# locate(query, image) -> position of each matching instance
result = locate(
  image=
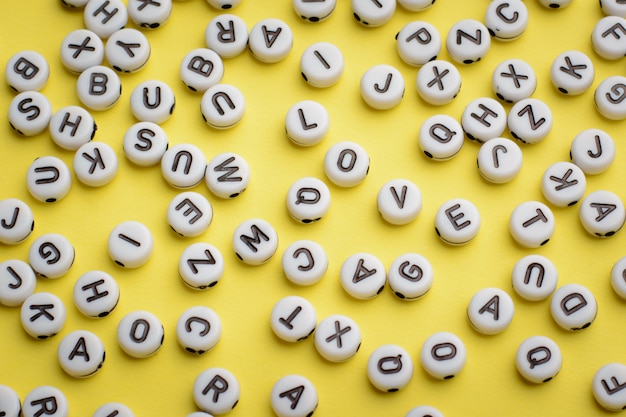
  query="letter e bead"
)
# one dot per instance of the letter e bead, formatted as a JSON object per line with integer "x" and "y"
{"x": 457, "y": 221}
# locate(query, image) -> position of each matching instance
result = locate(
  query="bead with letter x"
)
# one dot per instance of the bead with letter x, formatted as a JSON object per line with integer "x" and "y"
{"x": 84, "y": 46}
{"x": 438, "y": 78}
{"x": 514, "y": 76}
{"x": 338, "y": 333}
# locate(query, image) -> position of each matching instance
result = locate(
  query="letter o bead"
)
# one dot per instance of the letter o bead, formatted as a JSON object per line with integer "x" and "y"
{"x": 499, "y": 160}
{"x": 201, "y": 69}
{"x": 538, "y": 359}
{"x": 27, "y": 71}
{"x": 30, "y": 113}
{"x": 17, "y": 282}
{"x": 201, "y": 266}
{"x": 140, "y": 334}
{"x": 490, "y": 311}
{"x": 593, "y": 150}
{"x": 382, "y": 86}
{"x": 216, "y": 391}
{"x": 293, "y": 319}
{"x": 189, "y": 214}
{"x": 610, "y": 98}
{"x": 43, "y": 399}
{"x": 346, "y": 164}
{"x": 130, "y": 244}
{"x": 81, "y": 354}
{"x": 457, "y": 222}
{"x": 363, "y": 276}
{"x": 43, "y": 315}
{"x": 222, "y": 106}
{"x": 534, "y": 277}
{"x": 410, "y": 276}
{"x": 390, "y": 368}
{"x": 48, "y": 179}
{"x": 10, "y": 404}
{"x": 294, "y": 396}
{"x": 96, "y": 294}
{"x": 618, "y": 277}
{"x": 443, "y": 355}
{"x": 198, "y": 329}
{"x": 17, "y": 221}
{"x": 573, "y": 307}
{"x": 314, "y": 11}
{"x": 608, "y": 386}
{"x": 308, "y": 200}
{"x": 99, "y": 88}
{"x": 602, "y": 213}
{"x": 424, "y": 411}
{"x": 399, "y": 201}
{"x": 337, "y": 338}
{"x": 113, "y": 408}
{"x": 255, "y": 241}
{"x": 51, "y": 255}
{"x": 532, "y": 224}
{"x": 304, "y": 262}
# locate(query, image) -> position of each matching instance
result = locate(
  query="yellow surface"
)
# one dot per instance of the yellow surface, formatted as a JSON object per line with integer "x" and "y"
{"x": 161, "y": 385}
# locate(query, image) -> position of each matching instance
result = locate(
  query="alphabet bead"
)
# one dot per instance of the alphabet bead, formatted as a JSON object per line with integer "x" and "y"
{"x": 227, "y": 34}
{"x": 81, "y": 354}
{"x": 104, "y": 17}
{"x": 572, "y": 72}
{"x": 27, "y": 71}
{"x": 308, "y": 200}
{"x": 506, "y": 20}
{"x": 457, "y": 221}
{"x": 346, "y": 164}
{"x": 224, "y": 4}
{"x": 613, "y": 8}
{"x": 483, "y": 118}
{"x": 382, "y": 86}
{"x": 130, "y": 244}
{"x": 513, "y": 79}
{"x": 227, "y": 175}
{"x": 530, "y": 120}
{"x": 51, "y": 255}
{"x": 593, "y": 150}
{"x": 499, "y": 160}
{"x": 95, "y": 164}
{"x": 443, "y": 355}
{"x": 81, "y": 49}
{"x": 96, "y": 294}
{"x": 363, "y": 276}
{"x": 534, "y": 277}
{"x": 314, "y": 11}
{"x": 145, "y": 144}
{"x": 416, "y": 5}
{"x": 127, "y": 50}
{"x": 117, "y": 409}
{"x": 198, "y": 329}
{"x": 555, "y": 4}
{"x": 468, "y": 41}
{"x": 74, "y": 3}
{"x": 538, "y": 359}
{"x": 255, "y": 241}
{"x": 201, "y": 266}
{"x": 293, "y": 396}
{"x": 29, "y": 113}
{"x": 17, "y": 283}
{"x": 373, "y": 13}
{"x": 418, "y": 42}
{"x": 304, "y": 262}
{"x": 607, "y": 37}
{"x": 307, "y": 123}
{"x": 10, "y": 404}
{"x": 200, "y": 69}
{"x": 424, "y": 411}
{"x": 390, "y": 368}
{"x": 140, "y": 334}
{"x": 607, "y": 386}
{"x": 222, "y": 106}
{"x": 71, "y": 127}
{"x": 441, "y": 137}
{"x": 216, "y": 391}
{"x": 17, "y": 221}
{"x": 532, "y": 224}
{"x": 490, "y": 311}
{"x": 618, "y": 280}
{"x": 293, "y": 319}
{"x": 410, "y": 276}
{"x": 270, "y": 40}
{"x": 45, "y": 399}
{"x": 337, "y": 338}
{"x": 98, "y": 88}
{"x": 151, "y": 14}
{"x": 399, "y": 201}
{"x": 48, "y": 179}
{"x": 573, "y": 307}
{"x": 602, "y": 213}
{"x": 189, "y": 214}
{"x": 563, "y": 184}
{"x": 438, "y": 82}
{"x": 321, "y": 64}
{"x": 43, "y": 315}
{"x": 609, "y": 98}
{"x": 199, "y": 414}
{"x": 183, "y": 165}
{"x": 152, "y": 101}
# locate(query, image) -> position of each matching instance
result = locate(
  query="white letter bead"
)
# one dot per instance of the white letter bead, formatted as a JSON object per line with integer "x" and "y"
{"x": 573, "y": 307}
{"x": 308, "y": 200}
{"x": 140, "y": 334}
{"x": 99, "y": 87}
{"x": 424, "y": 411}
{"x": 363, "y": 276}
{"x": 199, "y": 414}
{"x": 43, "y": 315}
{"x": 610, "y": 97}
{"x": 145, "y": 144}
{"x": 255, "y": 241}
{"x": 607, "y": 37}
{"x": 270, "y": 40}
{"x": 222, "y": 106}
{"x": 314, "y": 12}
{"x": 506, "y": 20}
{"x": 16, "y": 221}
{"x": 293, "y": 319}
{"x": 183, "y": 165}
{"x": 483, "y": 119}
{"x": 71, "y": 127}
{"x": 321, "y": 64}
{"x": 399, "y": 201}
{"x": 441, "y": 137}
{"x": 593, "y": 150}
{"x": 534, "y": 277}
{"x": 30, "y": 113}
{"x": 81, "y": 353}
{"x": 27, "y": 71}
{"x": 438, "y": 82}
{"x": 337, "y": 338}
{"x": 382, "y": 86}
{"x": 201, "y": 266}
{"x": 346, "y": 164}
{"x": 499, "y": 160}
{"x": 416, "y": 5}
{"x": 216, "y": 391}
{"x": 443, "y": 355}
{"x": 490, "y": 311}
{"x": 418, "y": 42}
{"x": 307, "y": 123}
{"x": 618, "y": 277}
{"x": 602, "y": 213}
{"x": 115, "y": 409}
{"x": 149, "y": 14}
{"x": 373, "y": 13}
{"x": 152, "y": 101}
{"x": 46, "y": 400}
{"x": 200, "y": 69}
{"x": 572, "y": 72}
{"x": 555, "y": 4}
{"x": 304, "y": 262}
{"x": 95, "y": 164}
{"x": 538, "y": 359}
{"x": 563, "y": 184}
{"x": 189, "y": 214}
{"x": 532, "y": 224}
{"x": 530, "y": 120}
{"x": 227, "y": 35}
{"x": 96, "y": 294}
{"x": 48, "y": 179}
{"x": 457, "y": 221}
{"x": 224, "y": 4}
{"x": 513, "y": 79}
{"x": 10, "y": 404}
{"x": 104, "y": 17}
{"x": 294, "y": 396}
{"x": 390, "y": 368}
{"x": 81, "y": 49}
{"x": 51, "y": 255}
{"x": 74, "y": 3}
{"x": 410, "y": 276}
{"x": 198, "y": 329}
{"x": 127, "y": 50}
{"x": 227, "y": 175}
{"x": 608, "y": 386}
{"x": 468, "y": 41}
{"x": 613, "y": 8}
{"x": 130, "y": 244}
{"x": 17, "y": 282}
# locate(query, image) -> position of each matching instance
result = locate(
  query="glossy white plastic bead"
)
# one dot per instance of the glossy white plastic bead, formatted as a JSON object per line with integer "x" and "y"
{"x": 593, "y": 150}
{"x": 602, "y": 213}
{"x": 96, "y": 294}
{"x": 373, "y": 13}
{"x": 363, "y": 276}
{"x": 308, "y": 200}
{"x": 613, "y": 8}
{"x": 201, "y": 266}
{"x": 346, "y": 164}
{"x": 227, "y": 34}
{"x": 140, "y": 334}
{"x": 563, "y": 184}
{"x": 499, "y": 160}
{"x": 189, "y": 214}
{"x": 530, "y": 120}
{"x": 74, "y": 3}
{"x": 321, "y": 64}
{"x": 293, "y": 318}
{"x": 468, "y": 41}
{"x": 270, "y": 40}
{"x": 418, "y": 42}
{"x": 216, "y": 391}
{"x": 399, "y": 201}
{"x": 443, "y": 355}
{"x": 316, "y": 11}
{"x": 490, "y": 311}
{"x": 130, "y": 244}
{"x": 183, "y": 165}
{"x": 307, "y": 123}
{"x": 199, "y": 414}
{"x": 424, "y": 411}
{"x": 200, "y": 69}
{"x": 27, "y": 71}
{"x": 513, "y": 79}
{"x": 224, "y": 4}
{"x": 10, "y": 404}
{"x": 99, "y": 87}
{"x": 382, "y": 87}
{"x": 222, "y": 106}
{"x": 30, "y": 113}
{"x": 610, "y": 97}
{"x": 572, "y": 72}
{"x": 45, "y": 400}
{"x": 149, "y": 14}
{"x": 152, "y": 101}
{"x": 441, "y": 137}
{"x": 607, "y": 37}
{"x": 410, "y": 276}
{"x": 457, "y": 221}
{"x": 81, "y": 49}
{"x": 573, "y": 307}
{"x": 17, "y": 221}
{"x": 337, "y": 338}
{"x": 145, "y": 144}
{"x": 532, "y": 224}
{"x": 255, "y": 241}
{"x": 618, "y": 277}
{"x": 51, "y": 255}
{"x": 43, "y": 315}
{"x": 48, "y": 179}
{"x": 81, "y": 353}
{"x": 227, "y": 175}
{"x": 438, "y": 82}
{"x": 71, "y": 127}
{"x": 115, "y": 409}
{"x": 506, "y": 20}
{"x": 608, "y": 386}
{"x": 304, "y": 262}
{"x": 416, "y": 5}
{"x": 534, "y": 277}
{"x": 538, "y": 359}
{"x": 127, "y": 50}
{"x": 483, "y": 118}
{"x": 17, "y": 282}
{"x": 390, "y": 368}
{"x": 555, "y": 4}
{"x": 293, "y": 396}
{"x": 95, "y": 164}
{"x": 198, "y": 329}
{"x": 104, "y": 17}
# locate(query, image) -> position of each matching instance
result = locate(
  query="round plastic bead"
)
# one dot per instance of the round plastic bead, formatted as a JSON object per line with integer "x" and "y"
{"x": 490, "y": 311}
{"x": 127, "y": 50}
{"x": 149, "y": 14}
{"x": 17, "y": 282}
{"x": 96, "y": 294}
{"x": 308, "y": 200}
{"x": 610, "y": 96}
{"x": 410, "y": 276}
{"x": 222, "y": 106}
{"x": 602, "y": 213}
{"x": 43, "y": 315}
{"x": 593, "y": 150}
{"x": 363, "y": 276}
{"x": 555, "y": 4}
{"x": 337, "y": 338}
{"x": 457, "y": 221}
{"x": 45, "y": 400}
{"x": 468, "y": 41}
{"x": 51, "y": 255}
{"x": 438, "y": 82}
{"x": 573, "y": 307}
{"x": 538, "y": 359}
{"x": 441, "y": 137}
{"x": 74, "y": 4}
{"x": 307, "y": 123}
{"x": 216, "y": 391}
{"x": 346, "y": 164}
{"x": 416, "y": 5}
{"x": 27, "y": 71}
{"x": 99, "y": 88}
{"x": 105, "y": 17}
{"x": 201, "y": 266}
{"x": 607, "y": 386}
{"x": 81, "y": 353}
{"x": 443, "y": 355}
{"x": 563, "y": 184}
{"x": 140, "y": 334}
{"x": 152, "y": 101}
{"x": 499, "y": 160}
{"x": 201, "y": 69}
{"x": 227, "y": 175}
{"x": 189, "y": 214}
{"x": 10, "y": 404}
{"x": 483, "y": 118}
{"x": 145, "y": 144}
{"x": 224, "y": 4}
{"x": 293, "y": 396}
{"x": 382, "y": 87}
{"x": 607, "y": 37}
{"x": 418, "y": 42}
{"x": 513, "y": 79}
{"x": 81, "y": 49}
{"x": 17, "y": 221}
{"x": 613, "y": 8}
{"x": 424, "y": 411}
{"x": 399, "y": 201}
{"x": 373, "y": 13}
{"x": 293, "y": 319}
{"x": 199, "y": 414}
{"x": 95, "y": 164}
{"x": 30, "y": 113}
{"x": 572, "y": 72}
{"x": 227, "y": 35}
{"x": 506, "y": 20}
{"x": 530, "y": 120}
{"x": 532, "y": 224}
{"x": 321, "y": 64}
{"x": 618, "y": 277}
{"x": 534, "y": 277}
{"x": 130, "y": 244}
{"x": 270, "y": 40}
{"x": 198, "y": 329}
{"x": 316, "y": 11}
{"x": 304, "y": 262}
{"x": 71, "y": 127}
{"x": 390, "y": 368}
{"x": 183, "y": 165}
{"x": 117, "y": 409}
{"x": 48, "y": 179}
{"x": 255, "y": 241}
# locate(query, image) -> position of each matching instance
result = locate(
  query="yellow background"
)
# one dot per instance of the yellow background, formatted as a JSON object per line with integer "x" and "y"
{"x": 161, "y": 385}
